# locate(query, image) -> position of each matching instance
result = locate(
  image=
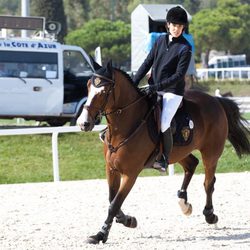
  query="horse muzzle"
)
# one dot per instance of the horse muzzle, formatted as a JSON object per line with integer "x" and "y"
{"x": 86, "y": 126}
{"x": 85, "y": 122}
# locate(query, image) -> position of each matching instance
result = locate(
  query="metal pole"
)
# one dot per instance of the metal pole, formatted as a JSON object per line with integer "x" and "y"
{"x": 113, "y": 5}
{"x": 171, "y": 169}
{"x": 25, "y": 12}
{"x": 55, "y": 156}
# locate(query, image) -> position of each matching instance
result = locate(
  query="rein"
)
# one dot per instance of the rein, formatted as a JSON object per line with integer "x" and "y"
{"x": 98, "y": 83}
{"x": 119, "y": 110}
{"x": 125, "y": 141}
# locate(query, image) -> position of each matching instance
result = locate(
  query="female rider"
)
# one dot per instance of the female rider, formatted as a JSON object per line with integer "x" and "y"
{"x": 168, "y": 59}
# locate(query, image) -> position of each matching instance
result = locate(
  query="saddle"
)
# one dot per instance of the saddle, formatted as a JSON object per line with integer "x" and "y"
{"x": 181, "y": 125}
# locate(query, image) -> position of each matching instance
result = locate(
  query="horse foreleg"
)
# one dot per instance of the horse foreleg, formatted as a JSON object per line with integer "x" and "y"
{"x": 114, "y": 210}
{"x": 126, "y": 220}
{"x": 114, "y": 180}
{"x": 189, "y": 165}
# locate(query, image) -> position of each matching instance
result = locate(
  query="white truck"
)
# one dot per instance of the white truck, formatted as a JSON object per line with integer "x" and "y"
{"x": 41, "y": 79}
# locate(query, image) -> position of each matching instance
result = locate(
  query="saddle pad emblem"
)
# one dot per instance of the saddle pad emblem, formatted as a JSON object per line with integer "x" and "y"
{"x": 185, "y": 133}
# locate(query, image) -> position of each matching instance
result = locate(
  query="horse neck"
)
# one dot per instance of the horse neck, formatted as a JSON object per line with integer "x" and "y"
{"x": 130, "y": 107}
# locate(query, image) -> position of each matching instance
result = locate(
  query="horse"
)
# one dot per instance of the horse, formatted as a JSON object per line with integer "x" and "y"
{"x": 128, "y": 145}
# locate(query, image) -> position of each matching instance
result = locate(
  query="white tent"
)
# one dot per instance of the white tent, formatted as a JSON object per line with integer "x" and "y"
{"x": 146, "y": 18}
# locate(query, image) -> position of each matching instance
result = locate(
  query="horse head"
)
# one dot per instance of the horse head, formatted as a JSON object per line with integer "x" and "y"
{"x": 100, "y": 86}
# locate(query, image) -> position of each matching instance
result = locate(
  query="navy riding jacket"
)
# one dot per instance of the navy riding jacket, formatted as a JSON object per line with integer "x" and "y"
{"x": 169, "y": 62}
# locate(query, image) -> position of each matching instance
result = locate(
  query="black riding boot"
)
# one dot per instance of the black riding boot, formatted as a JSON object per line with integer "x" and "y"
{"x": 167, "y": 143}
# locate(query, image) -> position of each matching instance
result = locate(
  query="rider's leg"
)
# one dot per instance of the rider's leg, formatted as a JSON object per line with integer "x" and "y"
{"x": 170, "y": 105}
{"x": 167, "y": 143}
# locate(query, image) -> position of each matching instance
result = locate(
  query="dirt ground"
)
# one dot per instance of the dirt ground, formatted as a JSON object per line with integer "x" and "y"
{"x": 62, "y": 215}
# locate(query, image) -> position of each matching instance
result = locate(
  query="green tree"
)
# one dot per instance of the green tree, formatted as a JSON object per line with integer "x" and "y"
{"x": 77, "y": 12}
{"x": 224, "y": 28}
{"x": 112, "y": 37}
{"x": 239, "y": 29}
{"x": 109, "y": 9}
{"x": 134, "y": 3}
{"x": 10, "y": 7}
{"x": 214, "y": 3}
{"x": 205, "y": 34}
{"x": 192, "y": 6}
{"x": 52, "y": 10}
{"x": 210, "y": 4}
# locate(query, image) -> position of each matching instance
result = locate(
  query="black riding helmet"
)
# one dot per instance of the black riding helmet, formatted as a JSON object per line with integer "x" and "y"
{"x": 177, "y": 15}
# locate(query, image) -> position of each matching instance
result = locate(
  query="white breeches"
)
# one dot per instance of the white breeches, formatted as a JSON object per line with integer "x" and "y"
{"x": 170, "y": 105}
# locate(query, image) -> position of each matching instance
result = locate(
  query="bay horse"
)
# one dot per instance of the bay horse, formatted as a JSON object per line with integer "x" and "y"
{"x": 128, "y": 146}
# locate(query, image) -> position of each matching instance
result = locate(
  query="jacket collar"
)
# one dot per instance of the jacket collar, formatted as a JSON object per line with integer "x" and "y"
{"x": 171, "y": 39}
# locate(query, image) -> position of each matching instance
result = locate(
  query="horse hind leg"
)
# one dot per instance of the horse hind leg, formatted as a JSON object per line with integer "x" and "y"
{"x": 189, "y": 165}
{"x": 210, "y": 167}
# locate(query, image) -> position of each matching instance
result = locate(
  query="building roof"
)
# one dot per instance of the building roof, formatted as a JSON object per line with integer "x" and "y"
{"x": 158, "y": 12}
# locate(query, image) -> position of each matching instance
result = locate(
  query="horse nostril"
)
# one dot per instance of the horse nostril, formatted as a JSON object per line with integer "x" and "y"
{"x": 86, "y": 124}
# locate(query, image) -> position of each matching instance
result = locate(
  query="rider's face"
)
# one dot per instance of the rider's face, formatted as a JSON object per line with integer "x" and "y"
{"x": 175, "y": 29}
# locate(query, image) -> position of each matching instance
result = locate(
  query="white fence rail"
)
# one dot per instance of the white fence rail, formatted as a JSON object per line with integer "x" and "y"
{"x": 243, "y": 102}
{"x": 241, "y": 73}
{"x": 55, "y": 131}
{"x": 49, "y": 130}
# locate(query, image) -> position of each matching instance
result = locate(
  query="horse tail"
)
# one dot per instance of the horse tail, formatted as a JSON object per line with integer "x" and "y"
{"x": 238, "y": 127}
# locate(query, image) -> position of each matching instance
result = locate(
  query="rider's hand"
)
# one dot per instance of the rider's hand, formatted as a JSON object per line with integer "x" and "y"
{"x": 151, "y": 89}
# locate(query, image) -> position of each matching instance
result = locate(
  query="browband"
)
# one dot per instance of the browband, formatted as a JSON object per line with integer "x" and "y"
{"x": 97, "y": 81}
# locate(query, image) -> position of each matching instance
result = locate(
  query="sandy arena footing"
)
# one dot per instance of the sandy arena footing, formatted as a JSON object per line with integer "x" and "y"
{"x": 62, "y": 215}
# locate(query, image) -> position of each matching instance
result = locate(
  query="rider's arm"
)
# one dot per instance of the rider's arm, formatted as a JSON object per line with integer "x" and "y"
{"x": 181, "y": 70}
{"x": 145, "y": 67}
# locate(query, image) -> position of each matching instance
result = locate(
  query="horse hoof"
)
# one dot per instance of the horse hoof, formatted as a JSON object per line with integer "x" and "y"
{"x": 189, "y": 209}
{"x": 212, "y": 219}
{"x": 186, "y": 207}
{"x": 95, "y": 239}
{"x": 92, "y": 240}
{"x": 133, "y": 223}
{"x": 127, "y": 221}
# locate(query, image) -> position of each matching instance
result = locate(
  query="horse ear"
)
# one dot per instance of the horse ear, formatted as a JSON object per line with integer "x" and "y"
{"x": 109, "y": 66}
{"x": 95, "y": 65}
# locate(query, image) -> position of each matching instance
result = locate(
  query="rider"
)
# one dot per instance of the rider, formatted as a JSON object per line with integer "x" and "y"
{"x": 168, "y": 59}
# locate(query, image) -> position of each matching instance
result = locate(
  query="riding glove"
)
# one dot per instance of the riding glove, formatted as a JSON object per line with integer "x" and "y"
{"x": 151, "y": 89}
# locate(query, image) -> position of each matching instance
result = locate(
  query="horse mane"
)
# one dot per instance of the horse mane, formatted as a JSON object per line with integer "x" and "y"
{"x": 107, "y": 72}
{"x": 128, "y": 77}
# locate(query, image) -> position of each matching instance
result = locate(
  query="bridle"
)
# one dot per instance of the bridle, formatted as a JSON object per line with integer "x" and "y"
{"x": 99, "y": 81}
